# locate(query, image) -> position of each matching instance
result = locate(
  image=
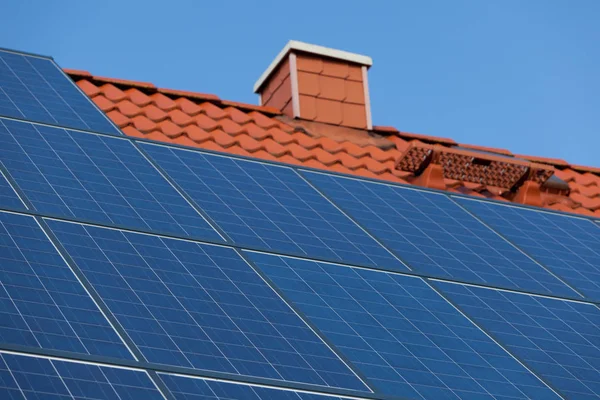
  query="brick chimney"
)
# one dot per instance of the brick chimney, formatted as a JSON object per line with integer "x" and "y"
{"x": 318, "y": 84}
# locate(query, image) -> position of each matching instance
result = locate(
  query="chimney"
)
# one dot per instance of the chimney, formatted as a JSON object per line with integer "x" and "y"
{"x": 318, "y": 84}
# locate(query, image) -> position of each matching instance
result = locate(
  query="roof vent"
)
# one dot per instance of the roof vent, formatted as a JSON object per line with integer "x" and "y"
{"x": 318, "y": 84}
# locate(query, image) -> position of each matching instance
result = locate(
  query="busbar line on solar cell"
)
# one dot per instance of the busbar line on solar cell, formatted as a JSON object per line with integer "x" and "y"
{"x": 43, "y": 304}
{"x": 435, "y": 236}
{"x": 35, "y": 89}
{"x": 192, "y": 388}
{"x": 559, "y": 340}
{"x": 405, "y": 337}
{"x": 24, "y": 376}
{"x": 99, "y": 178}
{"x": 303, "y": 317}
{"x": 200, "y": 306}
{"x": 269, "y": 207}
{"x": 567, "y": 245}
{"x": 9, "y": 197}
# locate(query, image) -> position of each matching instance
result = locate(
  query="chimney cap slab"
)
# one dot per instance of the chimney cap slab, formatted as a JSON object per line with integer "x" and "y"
{"x": 294, "y": 45}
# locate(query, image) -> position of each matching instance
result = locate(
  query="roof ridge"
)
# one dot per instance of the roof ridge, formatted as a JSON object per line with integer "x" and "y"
{"x": 150, "y": 87}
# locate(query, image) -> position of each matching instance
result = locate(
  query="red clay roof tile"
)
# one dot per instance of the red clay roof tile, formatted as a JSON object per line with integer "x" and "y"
{"x": 205, "y": 121}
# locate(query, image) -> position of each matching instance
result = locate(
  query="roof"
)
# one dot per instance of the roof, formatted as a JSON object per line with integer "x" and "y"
{"x": 206, "y": 121}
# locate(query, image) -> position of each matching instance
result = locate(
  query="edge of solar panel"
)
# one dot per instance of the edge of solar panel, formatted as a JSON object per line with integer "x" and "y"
{"x": 103, "y": 124}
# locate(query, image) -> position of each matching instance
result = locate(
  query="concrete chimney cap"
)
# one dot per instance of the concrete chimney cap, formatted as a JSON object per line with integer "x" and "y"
{"x": 312, "y": 49}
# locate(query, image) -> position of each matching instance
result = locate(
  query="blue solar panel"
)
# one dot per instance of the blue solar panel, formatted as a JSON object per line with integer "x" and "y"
{"x": 200, "y": 306}
{"x": 42, "y": 304}
{"x": 35, "y": 89}
{"x": 558, "y": 339}
{"x": 27, "y": 377}
{"x": 8, "y": 197}
{"x": 98, "y": 178}
{"x": 400, "y": 333}
{"x": 435, "y": 236}
{"x": 270, "y": 207}
{"x": 568, "y": 246}
{"x": 184, "y": 388}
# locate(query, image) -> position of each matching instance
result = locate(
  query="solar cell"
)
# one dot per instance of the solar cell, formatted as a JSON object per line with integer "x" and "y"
{"x": 42, "y": 304}
{"x": 185, "y": 388}
{"x": 97, "y": 178}
{"x": 435, "y": 236}
{"x": 28, "y": 377}
{"x": 400, "y": 333}
{"x": 33, "y": 88}
{"x": 269, "y": 207}
{"x": 558, "y": 339}
{"x": 568, "y": 246}
{"x": 8, "y": 197}
{"x": 200, "y": 306}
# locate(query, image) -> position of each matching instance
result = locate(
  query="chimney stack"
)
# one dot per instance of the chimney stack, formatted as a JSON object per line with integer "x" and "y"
{"x": 318, "y": 84}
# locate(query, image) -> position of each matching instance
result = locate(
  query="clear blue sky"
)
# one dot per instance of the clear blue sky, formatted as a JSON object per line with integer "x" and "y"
{"x": 516, "y": 74}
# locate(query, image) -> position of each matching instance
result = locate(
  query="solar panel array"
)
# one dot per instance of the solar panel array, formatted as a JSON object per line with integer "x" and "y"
{"x": 135, "y": 270}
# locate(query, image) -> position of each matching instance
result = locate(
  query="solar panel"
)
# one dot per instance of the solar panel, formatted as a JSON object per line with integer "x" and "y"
{"x": 568, "y": 246}
{"x": 185, "y": 388}
{"x": 558, "y": 339}
{"x": 34, "y": 89}
{"x": 97, "y": 178}
{"x": 28, "y": 377}
{"x": 200, "y": 306}
{"x": 400, "y": 333}
{"x": 8, "y": 197}
{"x": 42, "y": 304}
{"x": 435, "y": 236}
{"x": 269, "y": 207}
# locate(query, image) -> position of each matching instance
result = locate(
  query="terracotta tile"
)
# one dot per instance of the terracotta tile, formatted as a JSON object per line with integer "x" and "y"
{"x": 309, "y": 83}
{"x": 124, "y": 82}
{"x": 274, "y": 148}
{"x": 587, "y": 179}
{"x": 356, "y": 151}
{"x": 130, "y": 130}
{"x": 251, "y": 107}
{"x": 222, "y": 138}
{"x": 237, "y": 115}
{"x": 338, "y": 69}
{"x": 205, "y": 122}
{"x": 163, "y": 102}
{"x": 588, "y": 191}
{"x": 354, "y": 115}
{"x": 255, "y": 132}
{"x": 306, "y": 141}
{"x": 129, "y": 109}
{"x": 180, "y": 118}
{"x": 589, "y": 203}
{"x": 191, "y": 95}
{"x": 112, "y": 93}
{"x": 196, "y": 133}
{"x": 188, "y": 106}
{"x": 119, "y": 119}
{"x": 325, "y": 157}
{"x": 280, "y": 136}
{"x": 263, "y": 121}
{"x": 583, "y": 168}
{"x": 213, "y": 111}
{"x": 308, "y": 107}
{"x": 104, "y": 104}
{"x": 138, "y": 98}
{"x": 170, "y": 129}
{"x": 355, "y": 73}
{"x": 88, "y": 88}
{"x": 230, "y": 127}
{"x": 426, "y": 138}
{"x": 309, "y": 64}
{"x": 330, "y": 146}
{"x": 331, "y": 88}
{"x": 143, "y": 124}
{"x": 329, "y": 111}
{"x": 250, "y": 144}
{"x": 181, "y": 140}
{"x": 155, "y": 114}
{"x": 299, "y": 152}
{"x": 354, "y": 92}
{"x": 351, "y": 162}
{"x": 77, "y": 73}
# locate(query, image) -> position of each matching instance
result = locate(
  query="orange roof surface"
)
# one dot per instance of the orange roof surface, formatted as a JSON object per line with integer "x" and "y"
{"x": 205, "y": 121}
